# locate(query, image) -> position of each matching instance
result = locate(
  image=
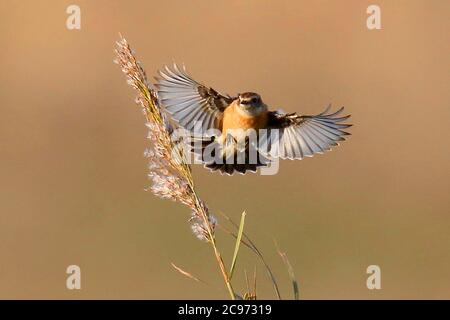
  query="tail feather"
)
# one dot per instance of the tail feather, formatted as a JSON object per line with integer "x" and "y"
{"x": 220, "y": 163}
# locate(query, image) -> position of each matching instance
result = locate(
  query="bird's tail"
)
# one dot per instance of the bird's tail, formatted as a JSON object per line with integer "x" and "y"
{"x": 226, "y": 157}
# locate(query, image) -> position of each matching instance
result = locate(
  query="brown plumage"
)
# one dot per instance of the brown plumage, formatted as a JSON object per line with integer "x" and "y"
{"x": 199, "y": 109}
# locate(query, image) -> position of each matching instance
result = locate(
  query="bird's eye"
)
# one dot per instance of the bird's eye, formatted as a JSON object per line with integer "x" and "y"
{"x": 254, "y": 100}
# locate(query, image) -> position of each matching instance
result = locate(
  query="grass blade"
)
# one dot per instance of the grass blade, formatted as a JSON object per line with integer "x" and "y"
{"x": 255, "y": 250}
{"x": 187, "y": 274}
{"x": 290, "y": 270}
{"x": 238, "y": 244}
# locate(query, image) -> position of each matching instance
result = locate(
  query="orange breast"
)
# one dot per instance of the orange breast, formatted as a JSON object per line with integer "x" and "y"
{"x": 234, "y": 120}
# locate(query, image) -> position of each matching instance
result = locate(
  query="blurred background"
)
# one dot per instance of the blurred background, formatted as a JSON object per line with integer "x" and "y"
{"x": 72, "y": 142}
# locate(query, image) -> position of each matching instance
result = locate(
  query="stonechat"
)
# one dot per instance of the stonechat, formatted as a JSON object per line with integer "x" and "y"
{"x": 200, "y": 109}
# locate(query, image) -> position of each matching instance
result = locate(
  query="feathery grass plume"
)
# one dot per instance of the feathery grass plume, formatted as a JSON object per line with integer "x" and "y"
{"x": 170, "y": 175}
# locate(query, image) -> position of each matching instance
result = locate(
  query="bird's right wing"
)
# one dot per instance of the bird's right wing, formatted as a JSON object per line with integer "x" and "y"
{"x": 188, "y": 101}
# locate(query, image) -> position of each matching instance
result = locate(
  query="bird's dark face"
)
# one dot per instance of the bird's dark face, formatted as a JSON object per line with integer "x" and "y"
{"x": 251, "y": 103}
{"x": 249, "y": 100}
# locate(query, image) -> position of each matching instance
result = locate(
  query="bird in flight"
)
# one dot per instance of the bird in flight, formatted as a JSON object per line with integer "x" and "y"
{"x": 200, "y": 109}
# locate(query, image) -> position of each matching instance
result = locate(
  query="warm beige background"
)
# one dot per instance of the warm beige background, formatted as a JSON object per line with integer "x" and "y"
{"x": 72, "y": 142}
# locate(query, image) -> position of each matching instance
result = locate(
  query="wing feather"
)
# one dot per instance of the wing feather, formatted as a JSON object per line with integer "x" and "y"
{"x": 301, "y": 136}
{"x": 187, "y": 100}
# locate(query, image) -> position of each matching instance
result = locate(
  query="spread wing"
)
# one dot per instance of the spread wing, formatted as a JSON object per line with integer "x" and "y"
{"x": 188, "y": 101}
{"x": 291, "y": 136}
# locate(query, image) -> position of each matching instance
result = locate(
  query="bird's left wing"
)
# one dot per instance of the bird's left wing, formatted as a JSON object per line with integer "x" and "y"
{"x": 291, "y": 136}
{"x": 188, "y": 101}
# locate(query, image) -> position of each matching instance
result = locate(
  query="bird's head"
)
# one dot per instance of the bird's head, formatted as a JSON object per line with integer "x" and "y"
{"x": 251, "y": 103}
